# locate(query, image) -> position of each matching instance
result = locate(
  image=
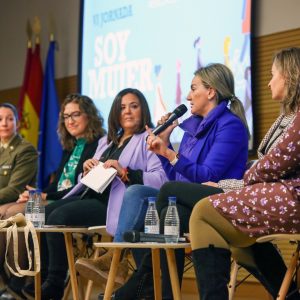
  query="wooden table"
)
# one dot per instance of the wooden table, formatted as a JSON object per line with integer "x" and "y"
{"x": 155, "y": 249}
{"x": 67, "y": 231}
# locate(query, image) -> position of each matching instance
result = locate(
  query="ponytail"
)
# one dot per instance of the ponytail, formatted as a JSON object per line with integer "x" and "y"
{"x": 237, "y": 108}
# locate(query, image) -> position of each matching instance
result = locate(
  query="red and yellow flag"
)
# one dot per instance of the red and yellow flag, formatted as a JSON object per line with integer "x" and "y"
{"x": 31, "y": 96}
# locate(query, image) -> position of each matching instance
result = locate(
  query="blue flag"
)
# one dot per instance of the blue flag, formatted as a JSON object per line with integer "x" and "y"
{"x": 49, "y": 147}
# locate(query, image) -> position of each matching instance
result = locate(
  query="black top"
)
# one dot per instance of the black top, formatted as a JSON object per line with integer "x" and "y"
{"x": 134, "y": 176}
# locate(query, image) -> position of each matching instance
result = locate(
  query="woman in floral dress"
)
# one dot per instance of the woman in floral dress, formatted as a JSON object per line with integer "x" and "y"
{"x": 268, "y": 200}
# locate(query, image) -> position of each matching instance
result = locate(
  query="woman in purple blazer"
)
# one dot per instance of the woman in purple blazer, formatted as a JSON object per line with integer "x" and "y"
{"x": 125, "y": 149}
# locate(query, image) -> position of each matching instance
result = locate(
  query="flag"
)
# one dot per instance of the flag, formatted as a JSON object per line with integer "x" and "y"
{"x": 49, "y": 147}
{"x": 31, "y": 102}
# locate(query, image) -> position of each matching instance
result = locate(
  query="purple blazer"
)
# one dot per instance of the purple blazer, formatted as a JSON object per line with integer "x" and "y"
{"x": 135, "y": 156}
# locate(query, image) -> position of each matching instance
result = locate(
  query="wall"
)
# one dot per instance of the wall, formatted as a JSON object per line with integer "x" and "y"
{"x": 60, "y": 16}
{"x": 270, "y": 16}
{"x": 275, "y": 16}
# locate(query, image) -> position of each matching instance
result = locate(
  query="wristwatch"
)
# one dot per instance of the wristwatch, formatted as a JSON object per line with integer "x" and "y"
{"x": 175, "y": 160}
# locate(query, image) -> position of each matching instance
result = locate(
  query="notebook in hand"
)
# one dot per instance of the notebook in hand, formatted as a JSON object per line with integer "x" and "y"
{"x": 99, "y": 178}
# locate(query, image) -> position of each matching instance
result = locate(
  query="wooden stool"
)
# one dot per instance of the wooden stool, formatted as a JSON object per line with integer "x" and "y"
{"x": 155, "y": 248}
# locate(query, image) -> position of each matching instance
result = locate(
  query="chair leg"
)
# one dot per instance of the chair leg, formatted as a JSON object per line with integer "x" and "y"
{"x": 232, "y": 282}
{"x": 89, "y": 285}
{"x": 67, "y": 290}
{"x": 289, "y": 275}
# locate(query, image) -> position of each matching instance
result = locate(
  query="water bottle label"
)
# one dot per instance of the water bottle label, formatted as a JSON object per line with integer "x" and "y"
{"x": 42, "y": 217}
{"x": 28, "y": 217}
{"x": 171, "y": 230}
{"x": 152, "y": 229}
{"x": 35, "y": 217}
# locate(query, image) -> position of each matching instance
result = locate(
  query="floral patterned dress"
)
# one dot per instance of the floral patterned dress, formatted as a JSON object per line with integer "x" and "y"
{"x": 269, "y": 201}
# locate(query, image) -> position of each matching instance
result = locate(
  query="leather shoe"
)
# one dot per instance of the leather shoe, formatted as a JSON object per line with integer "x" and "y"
{"x": 97, "y": 269}
{"x": 14, "y": 287}
{"x": 28, "y": 291}
{"x": 49, "y": 291}
{"x": 7, "y": 296}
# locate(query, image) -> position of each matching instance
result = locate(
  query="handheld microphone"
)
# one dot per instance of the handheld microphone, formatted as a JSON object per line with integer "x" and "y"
{"x": 134, "y": 236}
{"x": 177, "y": 113}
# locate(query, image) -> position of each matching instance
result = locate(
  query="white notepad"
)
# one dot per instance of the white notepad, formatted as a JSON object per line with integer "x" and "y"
{"x": 99, "y": 178}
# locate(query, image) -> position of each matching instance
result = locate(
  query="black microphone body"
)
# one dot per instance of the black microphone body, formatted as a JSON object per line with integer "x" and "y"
{"x": 177, "y": 113}
{"x": 134, "y": 236}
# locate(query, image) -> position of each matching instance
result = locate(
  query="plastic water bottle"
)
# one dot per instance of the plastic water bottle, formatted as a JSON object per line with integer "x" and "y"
{"x": 171, "y": 225}
{"x": 29, "y": 206}
{"x": 151, "y": 219}
{"x": 38, "y": 214}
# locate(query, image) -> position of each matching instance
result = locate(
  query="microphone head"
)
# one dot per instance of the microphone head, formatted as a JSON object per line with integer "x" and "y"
{"x": 180, "y": 110}
{"x": 131, "y": 236}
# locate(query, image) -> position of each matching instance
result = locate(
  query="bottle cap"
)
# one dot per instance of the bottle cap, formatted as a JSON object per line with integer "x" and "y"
{"x": 31, "y": 192}
{"x": 152, "y": 199}
{"x": 172, "y": 198}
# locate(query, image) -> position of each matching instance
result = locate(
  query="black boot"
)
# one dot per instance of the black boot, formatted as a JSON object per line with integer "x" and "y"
{"x": 29, "y": 289}
{"x": 15, "y": 285}
{"x": 270, "y": 269}
{"x": 212, "y": 268}
{"x": 139, "y": 286}
{"x": 52, "y": 291}
{"x": 52, "y": 287}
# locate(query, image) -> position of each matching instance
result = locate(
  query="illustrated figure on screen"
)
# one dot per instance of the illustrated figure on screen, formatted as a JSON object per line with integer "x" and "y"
{"x": 246, "y": 26}
{"x": 160, "y": 107}
{"x": 197, "y": 46}
{"x": 178, "y": 83}
{"x": 248, "y": 92}
{"x": 248, "y": 97}
{"x": 226, "y": 45}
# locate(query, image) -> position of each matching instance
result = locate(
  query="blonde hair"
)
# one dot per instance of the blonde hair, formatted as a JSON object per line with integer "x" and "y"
{"x": 288, "y": 63}
{"x": 220, "y": 78}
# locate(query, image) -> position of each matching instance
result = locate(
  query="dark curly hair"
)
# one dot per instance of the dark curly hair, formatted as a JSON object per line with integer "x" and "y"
{"x": 94, "y": 129}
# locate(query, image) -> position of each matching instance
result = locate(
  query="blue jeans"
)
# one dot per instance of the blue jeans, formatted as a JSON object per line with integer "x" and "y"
{"x": 133, "y": 209}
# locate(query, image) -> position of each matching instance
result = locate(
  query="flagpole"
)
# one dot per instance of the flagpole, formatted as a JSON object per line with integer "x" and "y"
{"x": 26, "y": 74}
{"x": 29, "y": 34}
{"x": 36, "y": 27}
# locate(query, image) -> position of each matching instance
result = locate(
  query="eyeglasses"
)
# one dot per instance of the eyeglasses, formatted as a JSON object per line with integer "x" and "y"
{"x": 74, "y": 116}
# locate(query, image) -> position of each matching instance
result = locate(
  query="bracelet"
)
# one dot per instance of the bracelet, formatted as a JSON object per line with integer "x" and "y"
{"x": 175, "y": 160}
{"x": 124, "y": 176}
